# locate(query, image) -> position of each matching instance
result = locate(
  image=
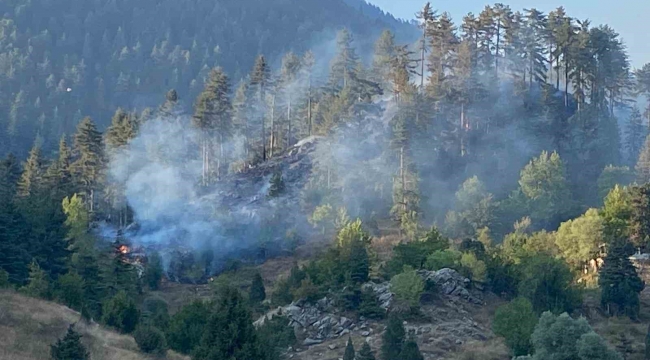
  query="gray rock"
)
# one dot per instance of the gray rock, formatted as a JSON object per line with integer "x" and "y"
{"x": 365, "y": 333}
{"x": 310, "y": 342}
{"x": 332, "y": 346}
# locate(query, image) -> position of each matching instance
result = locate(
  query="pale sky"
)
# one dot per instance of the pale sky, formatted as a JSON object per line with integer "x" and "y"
{"x": 630, "y": 18}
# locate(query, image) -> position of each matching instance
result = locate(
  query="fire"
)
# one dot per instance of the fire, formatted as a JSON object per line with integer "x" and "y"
{"x": 124, "y": 249}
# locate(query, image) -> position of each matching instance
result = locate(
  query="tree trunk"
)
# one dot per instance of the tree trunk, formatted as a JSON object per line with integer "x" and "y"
{"x": 272, "y": 126}
{"x": 289, "y": 123}
{"x": 403, "y": 177}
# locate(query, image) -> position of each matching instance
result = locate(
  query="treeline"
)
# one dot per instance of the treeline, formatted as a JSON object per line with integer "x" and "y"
{"x": 60, "y": 62}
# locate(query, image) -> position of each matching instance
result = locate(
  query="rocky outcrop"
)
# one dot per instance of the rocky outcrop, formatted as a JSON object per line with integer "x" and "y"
{"x": 448, "y": 281}
{"x": 317, "y": 322}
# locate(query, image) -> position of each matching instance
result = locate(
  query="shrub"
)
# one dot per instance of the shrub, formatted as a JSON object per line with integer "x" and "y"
{"x": 369, "y": 306}
{"x": 155, "y": 312}
{"x": 516, "y": 322}
{"x": 121, "y": 313}
{"x": 443, "y": 259}
{"x": 474, "y": 267}
{"x": 150, "y": 340}
{"x": 307, "y": 291}
{"x": 4, "y": 279}
{"x": 70, "y": 347}
{"x": 407, "y": 286}
{"x": 186, "y": 327}
{"x": 548, "y": 284}
{"x": 69, "y": 290}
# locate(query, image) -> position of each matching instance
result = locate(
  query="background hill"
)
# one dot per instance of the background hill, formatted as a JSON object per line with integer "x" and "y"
{"x": 113, "y": 53}
{"x": 29, "y": 326}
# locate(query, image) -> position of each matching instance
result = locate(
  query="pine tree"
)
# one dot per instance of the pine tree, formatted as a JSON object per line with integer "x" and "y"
{"x": 171, "y": 108}
{"x": 277, "y": 185}
{"x": 242, "y": 115}
{"x": 411, "y": 351}
{"x": 635, "y": 136}
{"x": 426, "y": 17}
{"x": 38, "y": 283}
{"x": 349, "y": 350}
{"x": 229, "y": 332}
{"x": 257, "y": 293}
{"x": 365, "y": 353}
{"x": 32, "y": 174}
{"x": 123, "y": 128}
{"x": 393, "y": 339}
{"x": 643, "y": 164}
{"x": 260, "y": 81}
{"x": 58, "y": 176}
{"x": 288, "y": 78}
{"x": 345, "y": 63}
{"x": 213, "y": 117}
{"x": 640, "y": 216}
{"x": 89, "y": 164}
{"x": 620, "y": 284}
{"x": 70, "y": 347}
{"x": 359, "y": 262}
{"x": 383, "y": 59}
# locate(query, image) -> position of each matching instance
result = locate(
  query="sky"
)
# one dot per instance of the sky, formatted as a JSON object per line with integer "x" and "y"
{"x": 628, "y": 17}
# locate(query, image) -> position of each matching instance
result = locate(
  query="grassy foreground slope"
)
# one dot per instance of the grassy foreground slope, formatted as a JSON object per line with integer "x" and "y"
{"x": 29, "y": 326}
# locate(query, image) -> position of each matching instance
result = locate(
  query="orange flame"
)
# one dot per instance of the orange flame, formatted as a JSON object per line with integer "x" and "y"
{"x": 124, "y": 249}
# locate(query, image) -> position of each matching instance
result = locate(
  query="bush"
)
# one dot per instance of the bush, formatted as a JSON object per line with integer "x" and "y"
{"x": 415, "y": 253}
{"x": 4, "y": 279}
{"x": 548, "y": 284}
{"x": 307, "y": 291}
{"x": 69, "y": 290}
{"x": 282, "y": 293}
{"x": 257, "y": 293}
{"x": 516, "y": 322}
{"x": 155, "y": 312}
{"x": 70, "y": 347}
{"x": 186, "y": 327}
{"x": 121, "y": 313}
{"x": 276, "y": 334}
{"x": 154, "y": 271}
{"x": 369, "y": 306}
{"x": 448, "y": 258}
{"x": 474, "y": 267}
{"x": 150, "y": 340}
{"x": 407, "y": 286}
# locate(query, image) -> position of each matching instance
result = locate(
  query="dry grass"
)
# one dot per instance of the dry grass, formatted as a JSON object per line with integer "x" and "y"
{"x": 29, "y": 326}
{"x": 493, "y": 349}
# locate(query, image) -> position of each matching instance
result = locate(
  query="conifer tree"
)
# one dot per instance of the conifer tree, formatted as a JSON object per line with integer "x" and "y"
{"x": 383, "y": 59}
{"x": 242, "y": 115}
{"x": 229, "y": 332}
{"x": 640, "y": 216}
{"x": 277, "y": 185}
{"x": 365, "y": 353}
{"x": 411, "y": 351}
{"x": 257, "y": 293}
{"x": 58, "y": 176}
{"x": 288, "y": 78}
{"x": 32, "y": 174}
{"x": 635, "y": 136}
{"x": 213, "y": 117}
{"x": 345, "y": 64}
{"x": 307, "y": 75}
{"x": 393, "y": 339}
{"x": 171, "y": 108}
{"x": 620, "y": 284}
{"x": 89, "y": 163}
{"x": 38, "y": 283}
{"x": 349, "y": 351}
{"x": 260, "y": 81}
{"x": 69, "y": 347}
{"x": 643, "y": 163}
{"x": 426, "y": 18}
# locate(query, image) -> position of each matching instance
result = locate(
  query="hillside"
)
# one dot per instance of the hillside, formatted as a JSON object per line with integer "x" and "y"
{"x": 60, "y": 61}
{"x": 29, "y": 326}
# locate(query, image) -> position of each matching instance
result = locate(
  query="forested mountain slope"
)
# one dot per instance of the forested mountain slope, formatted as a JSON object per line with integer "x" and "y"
{"x": 62, "y": 60}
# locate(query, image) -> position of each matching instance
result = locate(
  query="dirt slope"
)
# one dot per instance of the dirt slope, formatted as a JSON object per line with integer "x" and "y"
{"x": 29, "y": 326}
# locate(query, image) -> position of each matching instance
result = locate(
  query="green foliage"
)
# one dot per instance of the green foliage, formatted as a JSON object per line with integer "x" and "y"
{"x": 77, "y": 222}
{"x": 121, "y": 313}
{"x": 620, "y": 284}
{"x": 639, "y": 219}
{"x": 276, "y": 335}
{"x": 369, "y": 306}
{"x": 323, "y": 217}
{"x": 307, "y": 291}
{"x": 475, "y": 268}
{"x": 155, "y": 312}
{"x": 415, "y": 253}
{"x": 69, "y": 290}
{"x": 4, "y": 279}
{"x": 544, "y": 185}
{"x": 229, "y": 331}
{"x": 611, "y": 177}
{"x": 186, "y": 327}
{"x": 447, "y": 258}
{"x": 407, "y": 286}
{"x": 474, "y": 209}
{"x": 282, "y": 293}
{"x": 502, "y": 276}
{"x": 38, "y": 284}
{"x": 257, "y": 293}
{"x": 349, "y": 351}
{"x": 643, "y": 164}
{"x": 561, "y": 337}
{"x": 154, "y": 271}
{"x": 352, "y": 231}
{"x": 365, "y": 353}
{"x": 579, "y": 240}
{"x": 393, "y": 339}
{"x": 548, "y": 284}
{"x": 277, "y": 185}
{"x": 516, "y": 322}
{"x": 69, "y": 347}
{"x": 411, "y": 351}
{"x": 150, "y": 340}
{"x": 617, "y": 213}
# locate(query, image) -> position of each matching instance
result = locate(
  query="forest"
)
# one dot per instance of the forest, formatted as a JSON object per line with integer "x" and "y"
{"x": 511, "y": 146}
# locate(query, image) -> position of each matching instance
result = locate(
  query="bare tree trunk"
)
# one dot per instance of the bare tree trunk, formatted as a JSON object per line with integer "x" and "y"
{"x": 403, "y": 177}
{"x": 289, "y": 123}
{"x": 272, "y": 126}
